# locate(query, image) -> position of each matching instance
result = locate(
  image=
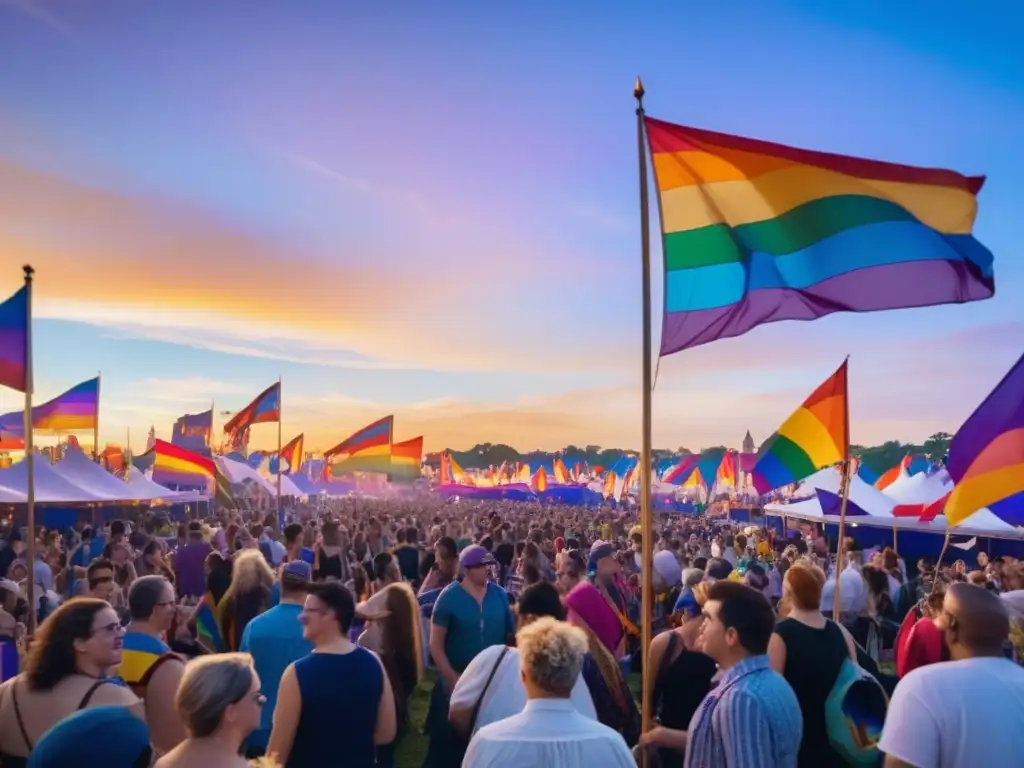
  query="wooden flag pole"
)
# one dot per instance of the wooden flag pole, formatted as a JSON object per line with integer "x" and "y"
{"x": 646, "y": 572}
{"x": 845, "y": 488}
{"x": 30, "y": 458}
{"x": 280, "y": 403}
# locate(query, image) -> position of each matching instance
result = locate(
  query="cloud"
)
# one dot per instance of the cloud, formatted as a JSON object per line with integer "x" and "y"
{"x": 168, "y": 270}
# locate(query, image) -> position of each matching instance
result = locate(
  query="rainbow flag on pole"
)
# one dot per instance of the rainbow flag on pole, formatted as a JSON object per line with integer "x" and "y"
{"x": 14, "y": 341}
{"x": 755, "y": 232}
{"x": 368, "y": 450}
{"x": 264, "y": 409}
{"x": 814, "y": 437}
{"x": 173, "y": 465}
{"x": 292, "y": 454}
{"x": 76, "y": 410}
{"x": 407, "y": 458}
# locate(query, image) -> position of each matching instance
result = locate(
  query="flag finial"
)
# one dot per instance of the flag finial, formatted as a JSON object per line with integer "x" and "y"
{"x": 28, "y": 272}
{"x": 638, "y": 89}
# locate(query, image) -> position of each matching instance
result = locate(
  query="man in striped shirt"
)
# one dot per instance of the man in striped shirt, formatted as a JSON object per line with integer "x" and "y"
{"x": 752, "y": 719}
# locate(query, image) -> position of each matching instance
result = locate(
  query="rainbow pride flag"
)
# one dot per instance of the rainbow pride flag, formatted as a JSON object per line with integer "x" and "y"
{"x": 292, "y": 453}
{"x": 208, "y": 627}
{"x": 986, "y": 456}
{"x": 814, "y": 437}
{"x": 76, "y": 410}
{"x": 368, "y": 450}
{"x": 14, "y": 322}
{"x": 755, "y": 232}
{"x": 264, "y": 409}
{"x": 406, "y": 458}
{"x": 173, "y": 465}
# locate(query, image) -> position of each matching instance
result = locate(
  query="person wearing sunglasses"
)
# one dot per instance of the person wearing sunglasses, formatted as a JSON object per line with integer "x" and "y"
{"x": 220, "y": 703}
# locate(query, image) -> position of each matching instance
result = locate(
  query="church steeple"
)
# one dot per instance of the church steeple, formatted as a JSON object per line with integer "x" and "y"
{"x": 748, "y": 443}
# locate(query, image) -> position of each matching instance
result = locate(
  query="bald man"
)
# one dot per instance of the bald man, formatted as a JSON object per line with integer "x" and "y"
{"x": 967, "y": 712}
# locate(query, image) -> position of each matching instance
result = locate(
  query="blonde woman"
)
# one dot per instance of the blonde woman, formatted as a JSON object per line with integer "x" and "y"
{"x": 219, "y": 701}
{"x": 248, "y": 596}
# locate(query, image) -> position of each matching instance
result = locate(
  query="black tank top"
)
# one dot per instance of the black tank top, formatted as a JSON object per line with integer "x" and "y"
{"x": 813, "y": 660}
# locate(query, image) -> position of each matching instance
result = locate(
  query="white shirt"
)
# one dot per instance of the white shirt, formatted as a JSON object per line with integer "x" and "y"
{"x": 852, "y": 592}
{"x": 548, "y": 732}
{"x": 957, "y": 714}
{"x": 506, "y": 696}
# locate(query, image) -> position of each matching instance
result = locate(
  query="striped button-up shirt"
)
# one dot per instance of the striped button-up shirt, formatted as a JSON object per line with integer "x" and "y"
{"x": 751, "y": 720}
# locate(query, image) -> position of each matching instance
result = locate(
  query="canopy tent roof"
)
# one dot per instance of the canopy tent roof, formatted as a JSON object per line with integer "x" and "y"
{"x": 922, "y": 488}
{"x": 79, "y": 469}
{"x": 238, "y": 472}
{"x": 11, "y": 496}
{"x": 288, "y": 487}
{"x": 139, "y": 484}
{"x": 50, "y": 485}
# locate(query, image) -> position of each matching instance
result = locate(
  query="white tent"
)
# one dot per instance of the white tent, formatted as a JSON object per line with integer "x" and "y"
{"x": 237, "y": 472}
{"x": 50, "y": 486}
{"x": 9, "y": 496}
{"x": 145, "y": 488}
{"x": 865, "y": 496}
{"x": 922, "y": 488}
{"x": 87, "y": 474}
{"x": 288, "y": 487}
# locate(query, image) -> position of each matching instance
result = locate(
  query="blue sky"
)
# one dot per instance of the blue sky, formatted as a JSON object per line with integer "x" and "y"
{"x": 432, "y": 210}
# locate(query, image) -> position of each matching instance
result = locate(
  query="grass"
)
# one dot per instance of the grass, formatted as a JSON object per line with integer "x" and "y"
{"x": 413, "y": 748}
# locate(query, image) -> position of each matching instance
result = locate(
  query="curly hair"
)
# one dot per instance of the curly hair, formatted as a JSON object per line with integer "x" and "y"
{"x": 551, "y": 653}
{"x": 52, "y": 657}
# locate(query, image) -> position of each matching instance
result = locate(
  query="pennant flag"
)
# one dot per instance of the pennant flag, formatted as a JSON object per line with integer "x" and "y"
{"x": 726, "y": 476}
{"x": 539, "y": 481}
{"x": 173, "y": 465}
{"x": 755, "y": 232}
{"x": 406, "y": 459}
{"x": 14, "y": 322}
{"x": 292, "y": 454}
{"x": 75, "y": 410}
{"x": 986, "y": 456}
{"x": 560, "y": 472}
{"x": 266, "y": 408}
{"x": 681, "y": 472}
{"x": 459, "y": 476}
{"x": 368, "y": 450}
{"x": 892, "y": 474}
{"x": 813, "y": 438}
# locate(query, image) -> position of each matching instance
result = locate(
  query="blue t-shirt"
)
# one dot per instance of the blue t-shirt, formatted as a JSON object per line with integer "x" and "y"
{"x": 471, "y": 628}
{"x": 275, "y": 640}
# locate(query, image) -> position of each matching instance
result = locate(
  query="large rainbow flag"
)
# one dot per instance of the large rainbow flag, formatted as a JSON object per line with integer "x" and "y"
{"x": 76, "y": 410}
{"x": 814, "y": 437}
{"x": 292, "y": 453}
{"x": 755, "y": 232}
{"x": 406, "y": 458}
{"x": 367, "y": 450}
{"x": 14, "y": 322}
{"x": 264, "y": 409}
{"x": 173, "y": 465}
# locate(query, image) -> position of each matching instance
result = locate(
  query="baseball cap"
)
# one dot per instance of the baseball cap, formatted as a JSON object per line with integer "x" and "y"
{"x": 117, "y": 739}
{"x": 475, "y": 555}
{"x": 297, "y": 569}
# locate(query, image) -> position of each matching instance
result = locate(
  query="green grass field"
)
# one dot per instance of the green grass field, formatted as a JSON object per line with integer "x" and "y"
{"x": 413, "y": 748}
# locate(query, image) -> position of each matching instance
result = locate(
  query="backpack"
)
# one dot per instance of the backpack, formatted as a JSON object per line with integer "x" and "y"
{"x": 854, "y": 714}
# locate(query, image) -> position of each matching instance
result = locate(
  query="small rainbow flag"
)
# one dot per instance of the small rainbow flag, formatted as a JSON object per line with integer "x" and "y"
{"x": 292, "y": 454}
{"x": 173, "y": 465}
{"x": 986, "y": 456}
{"x": 264, "y": 409}
{"x": 406, "y": 458}
{"x": 368, "y": 450}
{"x": 73, "y": 411}
{"x": 208, "y": 628}
{"x": 14, "y": 322}
{"x": 814, "y": 437}
{"x": 755, "y": 232}
{"x": 726, "y": 476}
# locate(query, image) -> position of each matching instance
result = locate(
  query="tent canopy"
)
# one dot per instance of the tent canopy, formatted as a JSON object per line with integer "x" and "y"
{"x": 90, "y": 476}
{"x": 50, "y": 485}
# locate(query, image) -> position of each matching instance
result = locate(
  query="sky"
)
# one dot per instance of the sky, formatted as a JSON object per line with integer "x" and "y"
{"x": 431, "y": 209}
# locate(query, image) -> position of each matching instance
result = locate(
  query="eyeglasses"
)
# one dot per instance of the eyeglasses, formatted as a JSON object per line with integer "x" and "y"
{"x": 113, "y": 628}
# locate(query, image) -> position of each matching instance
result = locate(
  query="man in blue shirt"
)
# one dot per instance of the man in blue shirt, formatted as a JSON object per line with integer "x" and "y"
{"x": 275, "y": 640}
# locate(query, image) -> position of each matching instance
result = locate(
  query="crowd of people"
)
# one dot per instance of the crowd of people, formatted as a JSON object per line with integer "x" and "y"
{"x": 232, "y": 641}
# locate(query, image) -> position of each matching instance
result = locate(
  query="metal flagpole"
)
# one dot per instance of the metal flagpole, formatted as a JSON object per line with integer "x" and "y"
{"x": 30, "y": 501}
{"x": 646, "y": 575}
{"x": 280, "y": 513}
{"x": 96, "y": 426}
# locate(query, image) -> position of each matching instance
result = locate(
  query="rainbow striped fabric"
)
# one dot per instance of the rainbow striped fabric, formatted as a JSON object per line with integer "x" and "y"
{"x": 986, "y": 456}
{"x": 173, "y": 465}
{"x": 264, "y": 409}
{"x": 76, "y": 410}
{"x": 406, "y": 458}
{"x": 14, "y": 322}
{"x": 756, "y": 232}
{"x": 292, "y": 453}
{"x": 368, "y": 450}
{"x": 814, "y": 437}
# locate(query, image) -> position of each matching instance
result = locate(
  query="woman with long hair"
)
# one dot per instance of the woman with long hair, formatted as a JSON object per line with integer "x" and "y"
{"x": 219, "y": 701}
{"x": 205, "y": 621}
{"x": 252, "y": 582}
{"x": 589, "y": 610}
{"x": 394, "y": 633}
{"x": 66, "y": 670}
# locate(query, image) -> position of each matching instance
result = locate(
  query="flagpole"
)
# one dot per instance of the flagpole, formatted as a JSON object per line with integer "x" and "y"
{"x": 280, "y": 402}
{"x": 646, "y": 576}
{"x": 96, "y": 426}
{"x": 845, "y": 488}
{"x": 127, "y": 453}
{"x": 30, "y": 500}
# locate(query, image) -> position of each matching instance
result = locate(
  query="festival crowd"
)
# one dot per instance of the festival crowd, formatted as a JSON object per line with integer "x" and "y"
{"x": 229, "y": 642}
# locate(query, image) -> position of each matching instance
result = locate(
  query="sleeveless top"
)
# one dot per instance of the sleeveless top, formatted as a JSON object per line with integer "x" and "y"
{"x": 814, "y": 658}
{"x": 341, "y": 694}
{"x": 140, "y": 657}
